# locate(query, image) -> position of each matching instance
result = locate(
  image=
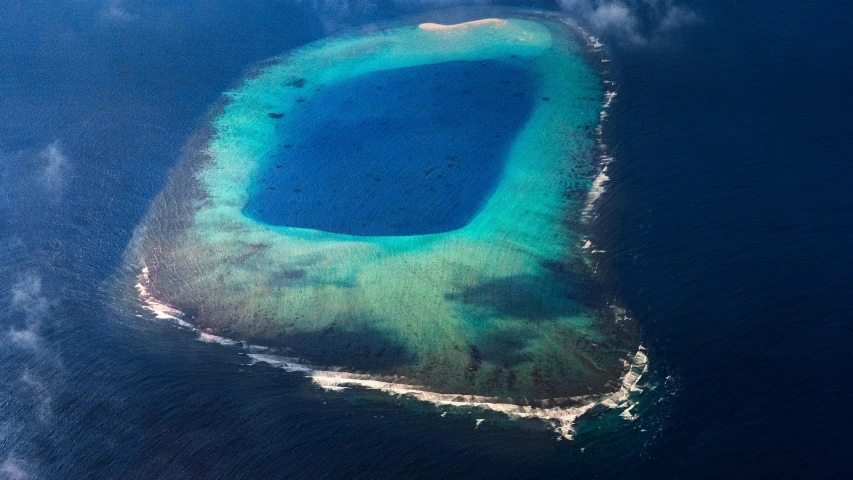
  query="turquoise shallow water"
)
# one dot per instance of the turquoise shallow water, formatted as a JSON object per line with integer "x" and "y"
{"x": 406, "y": 151}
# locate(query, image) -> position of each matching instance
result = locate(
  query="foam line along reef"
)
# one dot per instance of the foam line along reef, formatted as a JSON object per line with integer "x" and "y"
{"x": 310, "y": 215}
{"x": 561, "y": 413}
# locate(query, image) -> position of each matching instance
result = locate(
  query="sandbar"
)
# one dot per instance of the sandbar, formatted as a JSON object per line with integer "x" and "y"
{"x": 463, "y": 25}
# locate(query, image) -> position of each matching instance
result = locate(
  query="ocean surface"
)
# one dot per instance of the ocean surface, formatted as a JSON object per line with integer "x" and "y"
{"x": 726, "y": 227}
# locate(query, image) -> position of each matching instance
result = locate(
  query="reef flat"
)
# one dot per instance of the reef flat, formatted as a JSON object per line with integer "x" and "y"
{"x": 365, "y": 219}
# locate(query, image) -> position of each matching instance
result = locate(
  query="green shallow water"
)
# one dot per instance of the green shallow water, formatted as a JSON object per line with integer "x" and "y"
{"x": 503, "y": 306}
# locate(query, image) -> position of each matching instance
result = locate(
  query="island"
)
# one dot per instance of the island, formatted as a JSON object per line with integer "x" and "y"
{"x": 403, "y": 208}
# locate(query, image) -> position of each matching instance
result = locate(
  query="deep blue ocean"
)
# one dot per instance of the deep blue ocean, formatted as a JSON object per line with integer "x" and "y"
{"x": 726, "y": 222}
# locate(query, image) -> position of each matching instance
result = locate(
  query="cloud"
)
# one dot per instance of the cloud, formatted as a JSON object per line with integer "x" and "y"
{"x": 678, "y": 17}
{"x": 27, "y": 298}
{"x": 25, "y": 338}
{"x": 12, "y": 469}
{"x": 55, "y": 170}
{"x": 637, "y": 22}
{"x": 38, "y": 387}
{"x": 338, "y": 14}
{"x": 37, "y": 367}
{"x": 615, "y": 18}
{"x": 115, "y": 11}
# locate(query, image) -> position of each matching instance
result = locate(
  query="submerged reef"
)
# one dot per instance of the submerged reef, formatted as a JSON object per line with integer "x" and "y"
{"x": 453, "y": 262}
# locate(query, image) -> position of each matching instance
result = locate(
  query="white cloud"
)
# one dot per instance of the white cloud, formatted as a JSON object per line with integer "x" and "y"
{"x": 25, "y": 338}
{"x": 12, "y": 469}
{"x": 41, "y": 365}
{"x": 115, "y": 11}
{"x": 37, "y": 367}
{"x": 42, "y": 393}
{"x": 27, "y": 297}
{"x": 637, "y": 22}
{"x": 615, "y": 18}
{"x": 678, "y": 17}
{"x": 55, "y": 170}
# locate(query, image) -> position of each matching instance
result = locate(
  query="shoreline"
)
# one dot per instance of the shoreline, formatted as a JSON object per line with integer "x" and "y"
{"x": 561, "y": 418}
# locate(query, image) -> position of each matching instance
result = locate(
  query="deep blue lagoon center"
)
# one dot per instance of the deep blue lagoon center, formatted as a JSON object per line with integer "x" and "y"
{"x": 406, "y": 151}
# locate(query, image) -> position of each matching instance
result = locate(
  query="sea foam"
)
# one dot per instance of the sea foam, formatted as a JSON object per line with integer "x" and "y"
{"x": 561, "y": 418}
